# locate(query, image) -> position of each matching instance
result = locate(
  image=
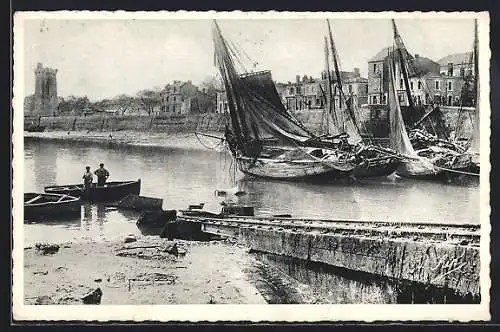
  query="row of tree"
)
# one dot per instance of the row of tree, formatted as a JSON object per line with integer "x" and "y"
{"x": 149, "y": 101}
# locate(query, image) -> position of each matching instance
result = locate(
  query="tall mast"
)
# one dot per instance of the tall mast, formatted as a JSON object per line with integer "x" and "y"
{"x": 400, "y": 47}
{"x": 227, "y": 69}
{"x": 475, "y": 141}
{"x": 337, "y": 71}
{"x": 329, "y": 92}
{"x": 476, "y": 62}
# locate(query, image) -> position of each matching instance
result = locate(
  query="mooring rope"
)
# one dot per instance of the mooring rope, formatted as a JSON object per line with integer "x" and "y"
{"x": 215, "y": 147}
{"x": 456, "y": 171}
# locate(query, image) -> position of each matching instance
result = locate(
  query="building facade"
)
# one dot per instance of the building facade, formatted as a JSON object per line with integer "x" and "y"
{"x": 177, "y": 98}
{"x": 309, "y": 93}
{"x": 428, "y": 82}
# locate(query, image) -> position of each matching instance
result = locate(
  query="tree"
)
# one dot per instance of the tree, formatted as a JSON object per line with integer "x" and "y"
{"x": 74, "y": 104}
{"x": 29, "y": 103}
{"x": 123, "y": 103}
{"x": 149, "y": 100}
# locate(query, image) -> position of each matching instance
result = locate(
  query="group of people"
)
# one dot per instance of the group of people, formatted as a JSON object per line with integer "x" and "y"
{"x": 101, "y": 173}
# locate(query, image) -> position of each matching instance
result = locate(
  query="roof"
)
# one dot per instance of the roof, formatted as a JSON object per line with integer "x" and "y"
{"x": 423, "y": 65}
{"x": 455, "y": 58}
{"x": 380, "y": 56}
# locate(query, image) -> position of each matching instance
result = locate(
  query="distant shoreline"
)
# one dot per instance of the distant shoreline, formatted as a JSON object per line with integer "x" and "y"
{"x": 128, "y": 138}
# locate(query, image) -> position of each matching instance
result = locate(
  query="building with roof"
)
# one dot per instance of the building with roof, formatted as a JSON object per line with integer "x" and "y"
{"x": 308, "y": 93}
{"x": 185, "y": 97}
{"x": 457, "y": 65}
{"x": 429, "y": 81}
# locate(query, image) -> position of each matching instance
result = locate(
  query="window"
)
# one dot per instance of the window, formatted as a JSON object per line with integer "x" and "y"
{"x": 450, "y": 86}
{"x": 374, "y": 67}
{"x": 174, "y": 98}
{"x": 292, "y": 91}
{"x": 401, "y": 83}
{"x": 298, "y": 90}
{"x": 419, "y": 85}
{"x": 375, "y": 99}
{"x": 436, "y": 85}
{"x": 411, "y": 85}
{"x": 384, "y": 99}
{"x": 350, "y": 88}
{"x": 450, "y": 69}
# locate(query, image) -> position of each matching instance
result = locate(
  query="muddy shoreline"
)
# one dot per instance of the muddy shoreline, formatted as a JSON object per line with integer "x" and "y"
{"x": 145, "y": 271}
{"x": 129, "y": 138}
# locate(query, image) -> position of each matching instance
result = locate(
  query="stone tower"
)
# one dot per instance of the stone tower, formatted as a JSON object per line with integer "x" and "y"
{"x": 45, "y": 98}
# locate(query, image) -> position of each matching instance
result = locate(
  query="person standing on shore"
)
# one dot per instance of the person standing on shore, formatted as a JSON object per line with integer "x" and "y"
{"x": 88, "y": 177}
{"x": 102, "y": 175}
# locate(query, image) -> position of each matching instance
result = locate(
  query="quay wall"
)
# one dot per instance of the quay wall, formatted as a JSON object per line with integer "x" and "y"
{"x": 213, "y": 122}
{"x": 443, "y": 265}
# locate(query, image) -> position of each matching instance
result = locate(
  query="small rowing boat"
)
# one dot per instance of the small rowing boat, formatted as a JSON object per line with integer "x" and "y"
{"x": 50, "y": 205}
{"x": 111, "y": 191}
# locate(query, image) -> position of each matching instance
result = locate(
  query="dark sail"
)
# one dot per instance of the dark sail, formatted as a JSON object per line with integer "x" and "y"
{"x": 254, "y": 105}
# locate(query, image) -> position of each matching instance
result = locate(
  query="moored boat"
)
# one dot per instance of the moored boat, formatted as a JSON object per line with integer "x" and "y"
{"x": 256, "y": 114}
{"x": 433, "y": 159}
{"x": 370, "y": 159}
{"x": 111, "y": 191}
{"x": 40, "y": 205}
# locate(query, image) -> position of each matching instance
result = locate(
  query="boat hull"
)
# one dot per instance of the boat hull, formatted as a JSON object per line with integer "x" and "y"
{"x": 425, "y": 170}
{"x": 112, "y": 191}
{"x": 292, "y": 170}
{"x": 51, "y": 205}
{"x": 381, "y": 168}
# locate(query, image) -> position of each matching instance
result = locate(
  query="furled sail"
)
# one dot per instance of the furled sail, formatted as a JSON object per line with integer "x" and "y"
{"x": 344, "y": 117}
{"x": 397, "y": 132}
{"x": 254, "y": 105}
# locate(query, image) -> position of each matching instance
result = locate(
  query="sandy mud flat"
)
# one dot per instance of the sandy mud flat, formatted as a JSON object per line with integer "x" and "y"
{"x": 131, "y": 138}
{"x": 147, "y": 271}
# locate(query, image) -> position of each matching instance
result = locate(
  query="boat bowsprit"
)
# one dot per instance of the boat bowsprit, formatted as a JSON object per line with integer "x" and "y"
{"x": 39, "y": 205}
{"x": 111, "y": 191}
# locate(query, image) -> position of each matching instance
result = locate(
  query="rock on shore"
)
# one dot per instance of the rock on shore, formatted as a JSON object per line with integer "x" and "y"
{"x": 140, "y": 272}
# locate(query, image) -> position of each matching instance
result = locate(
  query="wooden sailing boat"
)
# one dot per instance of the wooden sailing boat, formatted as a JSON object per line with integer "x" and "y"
{"x": 371, "y": 160}
{"x": 431, "y": 161}
{"x": 256, "y": 112}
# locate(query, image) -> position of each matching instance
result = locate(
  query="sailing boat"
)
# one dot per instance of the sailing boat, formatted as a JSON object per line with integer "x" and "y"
{"x": 430, "y": 161}
{"x": 371, "y": 160}
{"x": 256, "y": 113}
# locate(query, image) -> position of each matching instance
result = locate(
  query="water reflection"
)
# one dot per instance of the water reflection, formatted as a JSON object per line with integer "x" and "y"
{"x": 101, "y": 215}
{"x": 87, "y": 216}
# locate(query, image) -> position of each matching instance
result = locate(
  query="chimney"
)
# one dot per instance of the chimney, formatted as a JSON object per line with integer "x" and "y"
{"x": 297, "y": 79}
{"x": 356, "y": 72}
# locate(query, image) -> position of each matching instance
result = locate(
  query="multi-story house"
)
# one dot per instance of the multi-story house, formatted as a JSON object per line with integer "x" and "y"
{"x": 429, "y": 82}
{"x": 179, "y": 98}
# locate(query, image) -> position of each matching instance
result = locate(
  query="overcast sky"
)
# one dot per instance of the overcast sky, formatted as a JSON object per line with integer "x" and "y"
{"x": 104, "y": 58}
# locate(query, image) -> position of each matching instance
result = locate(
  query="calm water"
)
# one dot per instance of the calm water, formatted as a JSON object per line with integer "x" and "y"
{"x": 183, "y": 177}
